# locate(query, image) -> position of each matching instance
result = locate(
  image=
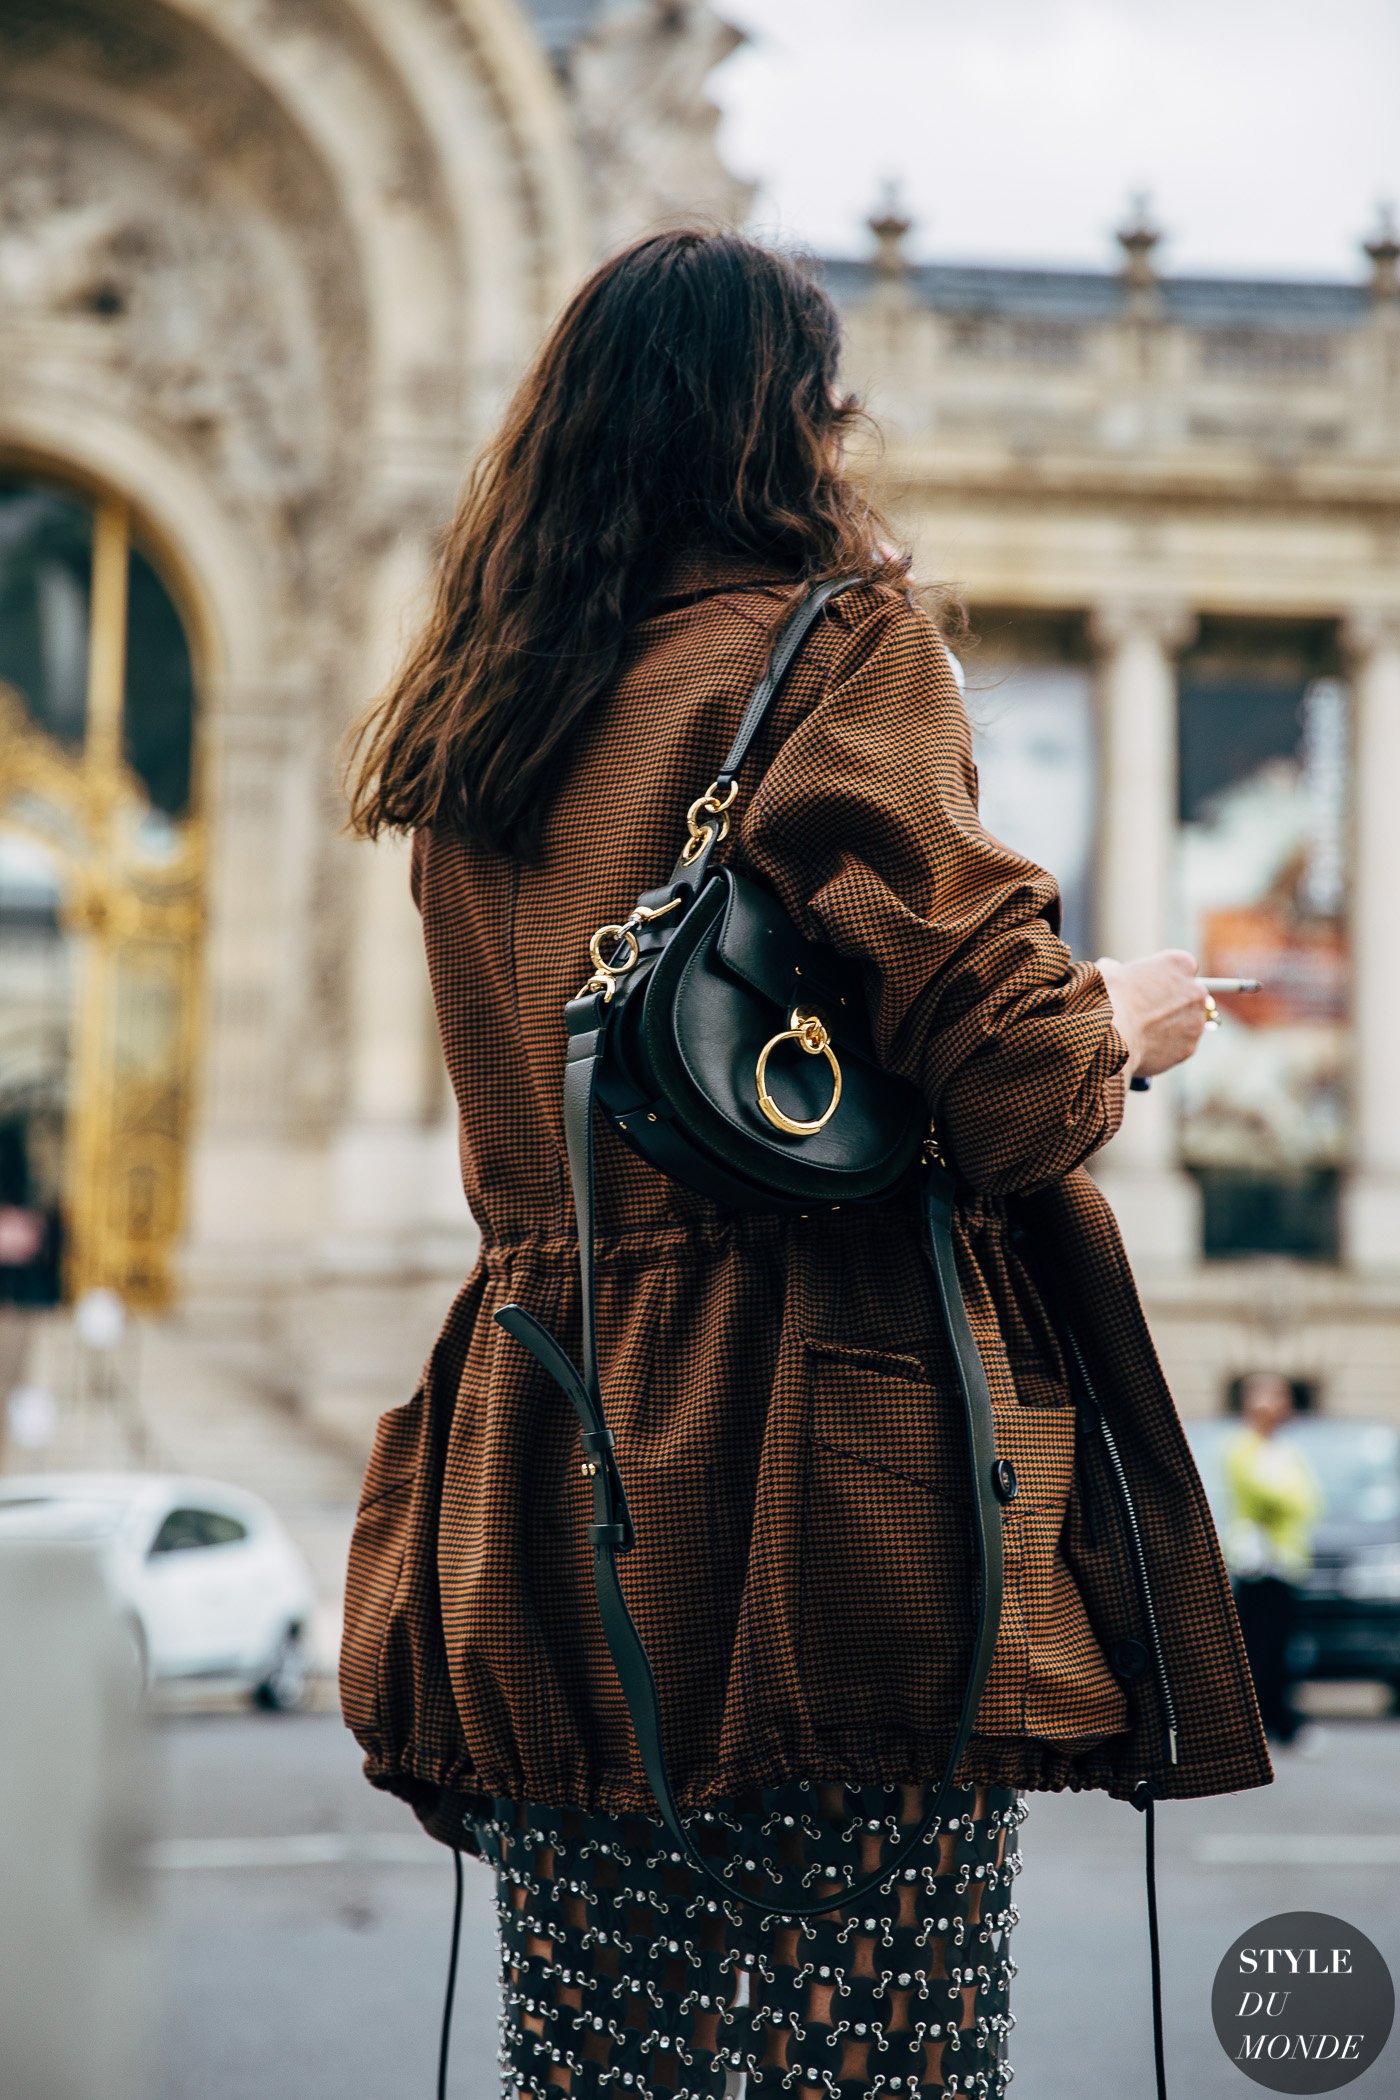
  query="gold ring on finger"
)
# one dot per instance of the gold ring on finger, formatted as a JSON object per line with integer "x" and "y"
{"x": 1212, "y": 1011}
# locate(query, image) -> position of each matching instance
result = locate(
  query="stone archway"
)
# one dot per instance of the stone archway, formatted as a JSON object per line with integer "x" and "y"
{"x": 266, "y": 267}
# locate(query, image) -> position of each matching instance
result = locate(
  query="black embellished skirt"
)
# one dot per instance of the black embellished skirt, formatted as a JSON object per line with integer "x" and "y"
{"x": 625, "y": 1973}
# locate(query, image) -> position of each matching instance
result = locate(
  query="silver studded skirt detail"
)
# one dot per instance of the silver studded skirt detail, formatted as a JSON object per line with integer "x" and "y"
{"x": 626, "y": 1974}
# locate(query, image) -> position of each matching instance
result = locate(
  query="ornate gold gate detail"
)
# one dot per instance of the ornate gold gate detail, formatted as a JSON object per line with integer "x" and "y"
{"x": 132, "y": 902}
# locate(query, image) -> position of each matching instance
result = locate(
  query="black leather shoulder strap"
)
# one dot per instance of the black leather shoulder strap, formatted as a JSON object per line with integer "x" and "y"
{"x": 691, "y": 869}
{"x": 789, "y": 640}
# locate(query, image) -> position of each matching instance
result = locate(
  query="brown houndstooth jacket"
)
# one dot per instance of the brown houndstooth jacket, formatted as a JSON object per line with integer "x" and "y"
{"x": 780, "y": 1387}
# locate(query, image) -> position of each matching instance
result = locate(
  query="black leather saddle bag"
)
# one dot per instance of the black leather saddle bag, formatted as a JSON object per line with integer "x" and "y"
{"x": 736, "y": 1055}
{"x": 739, "y": 1062}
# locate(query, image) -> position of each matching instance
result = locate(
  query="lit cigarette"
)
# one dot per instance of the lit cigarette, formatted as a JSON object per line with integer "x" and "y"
{"x": 1232, "y": 984}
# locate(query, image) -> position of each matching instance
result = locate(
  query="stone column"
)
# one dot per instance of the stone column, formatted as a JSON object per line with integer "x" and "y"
{"x": 1158, "y": 1205}
{"x": 255, "y": 1172}
{"x": 377, "y": 1158}
{"x": 396, "y": 1238}
{"x": 1371, "y": 1208}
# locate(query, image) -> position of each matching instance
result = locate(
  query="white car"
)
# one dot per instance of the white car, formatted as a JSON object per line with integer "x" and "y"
{"x": 206, "y": 1576}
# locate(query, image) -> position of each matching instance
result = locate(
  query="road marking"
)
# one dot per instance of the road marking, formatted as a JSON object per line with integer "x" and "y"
{"x": 333, "y": 1848}
{"x": 312, "y": 1848}
{"x": 1298, "y": 1849}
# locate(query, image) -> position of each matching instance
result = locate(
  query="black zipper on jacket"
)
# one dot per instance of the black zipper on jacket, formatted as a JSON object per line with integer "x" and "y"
{"x": 1139, "y": 1556}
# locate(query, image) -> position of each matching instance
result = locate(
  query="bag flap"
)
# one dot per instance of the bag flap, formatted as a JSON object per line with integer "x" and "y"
{"x": 758, "y": 943}
{"x": 721, "y": 987}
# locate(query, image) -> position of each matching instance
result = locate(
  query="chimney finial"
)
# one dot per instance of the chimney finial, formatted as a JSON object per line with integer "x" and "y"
{"x": 1383, "y": 248}
{"x": 1139, "y": 240}
{"x": 889, "y": 223}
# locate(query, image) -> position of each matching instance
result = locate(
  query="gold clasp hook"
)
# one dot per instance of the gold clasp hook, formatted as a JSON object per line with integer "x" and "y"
{"x": 606, "y": 972}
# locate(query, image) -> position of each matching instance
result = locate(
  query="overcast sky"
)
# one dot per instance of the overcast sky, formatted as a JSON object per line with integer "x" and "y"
{"x": 1266, "y": 134}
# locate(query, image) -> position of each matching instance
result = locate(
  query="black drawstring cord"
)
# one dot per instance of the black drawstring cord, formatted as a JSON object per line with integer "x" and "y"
{"x": 1142, "y": 1798}
{"x": 445, "y": 2043}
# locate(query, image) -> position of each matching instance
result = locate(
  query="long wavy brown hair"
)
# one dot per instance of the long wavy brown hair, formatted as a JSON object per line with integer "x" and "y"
{"x": 686, "y": 399}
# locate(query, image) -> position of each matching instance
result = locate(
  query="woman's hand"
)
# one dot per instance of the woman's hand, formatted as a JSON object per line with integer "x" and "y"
{"x": 1159, "y": 1008}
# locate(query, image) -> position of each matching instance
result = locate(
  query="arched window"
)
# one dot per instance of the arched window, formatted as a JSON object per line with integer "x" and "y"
{"x": 101, "y": 884}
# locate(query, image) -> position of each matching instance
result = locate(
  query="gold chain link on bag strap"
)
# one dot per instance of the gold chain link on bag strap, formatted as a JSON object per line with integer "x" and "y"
{"x": 608, "y": 964}
{"x": 709, "y": 804}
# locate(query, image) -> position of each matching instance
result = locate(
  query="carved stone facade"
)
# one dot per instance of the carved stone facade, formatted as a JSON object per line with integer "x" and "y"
{"x": 267, "y": 268}
{"x": 646, "y": 63}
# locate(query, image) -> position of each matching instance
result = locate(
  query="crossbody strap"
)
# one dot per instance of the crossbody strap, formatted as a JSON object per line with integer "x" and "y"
{"x": 708, "y": 818}
{"x": 789, "y": 640}
{"x": 611, "y": 1531}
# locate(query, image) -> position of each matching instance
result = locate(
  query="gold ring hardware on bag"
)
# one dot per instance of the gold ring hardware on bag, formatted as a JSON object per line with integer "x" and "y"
{"x": 606, "y": 974}
{"x": 712, "y": 806}
{"x": 810, "y": 1031}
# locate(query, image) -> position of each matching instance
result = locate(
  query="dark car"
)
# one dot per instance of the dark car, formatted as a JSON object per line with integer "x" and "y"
{"x": 1348, "y": 1622}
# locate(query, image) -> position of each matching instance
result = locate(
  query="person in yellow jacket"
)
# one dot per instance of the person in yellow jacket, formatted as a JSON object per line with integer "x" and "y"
{"x": 1275, "y": 1501}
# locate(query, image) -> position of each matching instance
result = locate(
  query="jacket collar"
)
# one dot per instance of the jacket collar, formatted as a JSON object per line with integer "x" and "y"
{"x": 695, "y": 571}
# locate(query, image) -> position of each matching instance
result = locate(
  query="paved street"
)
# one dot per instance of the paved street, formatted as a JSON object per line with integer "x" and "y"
{"x": 304, "y": 1923}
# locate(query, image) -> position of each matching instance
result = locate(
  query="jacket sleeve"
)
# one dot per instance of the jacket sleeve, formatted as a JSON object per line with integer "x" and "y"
{"x": 866, "y": 826}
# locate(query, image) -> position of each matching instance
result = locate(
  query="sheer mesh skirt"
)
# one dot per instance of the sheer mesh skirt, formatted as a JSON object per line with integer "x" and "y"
{"x": 623, "y": 1973}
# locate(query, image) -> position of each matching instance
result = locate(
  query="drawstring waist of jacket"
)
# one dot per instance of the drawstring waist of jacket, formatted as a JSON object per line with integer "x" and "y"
{"x": 671, "y": 1234}
{"x": 640, "y": 1245}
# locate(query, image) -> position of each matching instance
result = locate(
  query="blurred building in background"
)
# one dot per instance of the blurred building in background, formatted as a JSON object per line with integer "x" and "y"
{"x": 1173, "y": 508}
{"x": 267, "y": 269}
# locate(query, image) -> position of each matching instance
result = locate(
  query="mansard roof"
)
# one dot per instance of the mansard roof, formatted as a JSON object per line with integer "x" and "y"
{"x": 994, "y": 291}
